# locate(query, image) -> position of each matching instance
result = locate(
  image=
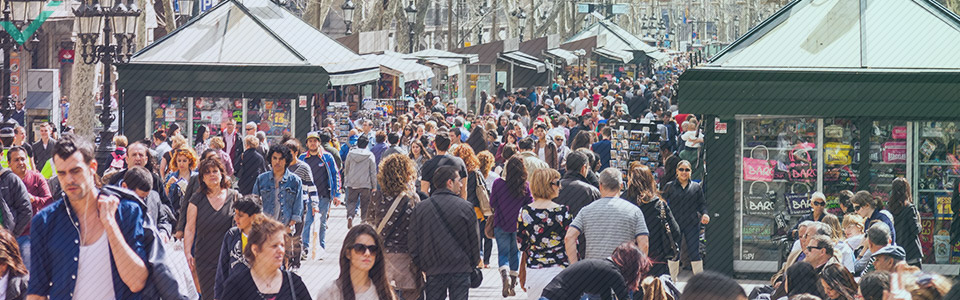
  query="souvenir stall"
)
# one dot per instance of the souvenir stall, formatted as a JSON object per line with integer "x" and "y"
{"x": 634, "y": 142}
{"x": 195, "y": 78}
{"x": 616, "y": 52}
{"x": 398, "y": 76}
{"x": 449, "y": 71}
{"x": 850, "y": 113}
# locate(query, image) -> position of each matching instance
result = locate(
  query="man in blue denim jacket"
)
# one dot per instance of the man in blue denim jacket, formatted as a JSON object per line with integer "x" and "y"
{"x": 326, "y": 176}
{"x": 280, "y": 190}
{"x": 86, "y": 245}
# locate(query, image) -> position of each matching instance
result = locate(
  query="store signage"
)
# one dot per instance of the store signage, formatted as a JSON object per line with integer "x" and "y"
{"x": 720, "y": 128}
{"x": 303, "y": 101}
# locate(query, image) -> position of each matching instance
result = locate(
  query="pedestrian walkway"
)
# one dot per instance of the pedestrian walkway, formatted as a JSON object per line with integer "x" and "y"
{"x": 318, "y": 273}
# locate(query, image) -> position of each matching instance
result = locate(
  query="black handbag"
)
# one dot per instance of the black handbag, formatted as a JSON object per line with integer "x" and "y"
{"x": 674, "y": 249}
{"x": 476, "y": 277}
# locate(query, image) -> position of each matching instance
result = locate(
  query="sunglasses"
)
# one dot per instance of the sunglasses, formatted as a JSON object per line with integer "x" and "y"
{"x": 555, "y": 182}
{"x": 856, "y": 207}
{"x": 819, "y": 203}
{"x": 683, "y": 170}
{"x": 810, "y": 248}
{"x": 362, "y": 249}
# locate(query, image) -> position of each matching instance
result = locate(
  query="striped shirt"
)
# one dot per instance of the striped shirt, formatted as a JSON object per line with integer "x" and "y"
{"x": 302, "y": 170}
{"x": 607, "y": 223}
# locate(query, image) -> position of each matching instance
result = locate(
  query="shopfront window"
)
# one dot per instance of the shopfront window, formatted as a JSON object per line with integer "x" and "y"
{"x": 841, "y": 160}
{"x": 215, "y": 112}
{"x": 272, "y": 116}
{"x": 888, "y": 155}
{"x": 935, "y": 184}
{"x": 168, "y": 110}
{"x": 778, "y": 173}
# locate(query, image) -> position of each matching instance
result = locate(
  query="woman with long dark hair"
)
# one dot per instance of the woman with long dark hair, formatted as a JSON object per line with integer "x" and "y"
{"x": 265, "y": 279}
{"x": 838, "y": 283}
{"x": 619, "y": 275}
{"x": 664, "y": 230}
{"x": 477, "y": 139}
{"x": 905, "y": 219}
{"x": 12, "y": 269}
{"x": 508, "y": 195}
{"x": 800, "y": 278}
{"x": 583, "y": 139}
{"x": 208, "y": 218}
{"x": 201, "y": 139}
{"x": 363, "y": 269}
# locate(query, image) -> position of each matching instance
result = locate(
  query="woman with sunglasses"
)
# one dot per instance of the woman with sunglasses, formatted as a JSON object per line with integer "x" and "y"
{"x": 819, "y": 202}
{"x": 363, "y": 270}
{"x": 871, "y": 209}
{"x": 264, "y": 279}
{"x": 689, "y": 207}
{"x": 543, "y": 224}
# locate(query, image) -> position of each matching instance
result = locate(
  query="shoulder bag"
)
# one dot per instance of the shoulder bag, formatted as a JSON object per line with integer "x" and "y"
{"x": 674, "y": 249}
{"x": 476, "y": 277}
{"x": 389, "y": 214}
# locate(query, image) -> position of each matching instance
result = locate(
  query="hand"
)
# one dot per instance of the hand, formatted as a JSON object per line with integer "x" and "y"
{"x": 178, "y": 235}
{"x": 108, "y": 209}
{"x": 337, "y": 201}
{"x": 190, "y": 261}
{"x": 705, "y": 219}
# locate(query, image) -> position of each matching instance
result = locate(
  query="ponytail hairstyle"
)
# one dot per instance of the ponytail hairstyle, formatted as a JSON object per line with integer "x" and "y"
{"x": 261, "y": 229}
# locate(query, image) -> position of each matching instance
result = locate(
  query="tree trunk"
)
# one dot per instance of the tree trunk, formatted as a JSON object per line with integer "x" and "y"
{"x": 378, "y": 19}
{"x": 170, "y": 21}
{"x": 450, "y": 32}
{"x": 83, "y": 115}
{"x": 402, "y": 33}
{"x": 494, "y": 29}
{"x": 316, "y": 12}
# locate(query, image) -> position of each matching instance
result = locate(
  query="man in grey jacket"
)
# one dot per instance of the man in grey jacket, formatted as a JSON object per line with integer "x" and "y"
{"x": 444, "y": 238}
{"x": 360, "y": 178}
{"x": 395, "y": 148}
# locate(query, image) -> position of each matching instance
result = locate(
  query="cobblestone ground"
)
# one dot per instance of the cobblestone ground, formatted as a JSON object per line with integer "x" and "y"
{"x": 317, "y": 273}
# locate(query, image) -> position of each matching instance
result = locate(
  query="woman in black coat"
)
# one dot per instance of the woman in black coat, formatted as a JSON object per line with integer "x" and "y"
{"x": 905, "y": 221}
{"x": 664, "y": 230}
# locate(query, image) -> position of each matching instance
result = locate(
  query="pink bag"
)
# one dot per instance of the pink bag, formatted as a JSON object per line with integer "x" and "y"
{"x": 758, "y": 169}
{"x": 895, "y": 152}
{"x": 899, "y": 132}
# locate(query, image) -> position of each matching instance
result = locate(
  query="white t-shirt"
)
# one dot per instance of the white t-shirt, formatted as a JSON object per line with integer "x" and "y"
{"x": 94, "y": 276}
{"x": 331, "y": 291}
{"x": 689, "y": 136}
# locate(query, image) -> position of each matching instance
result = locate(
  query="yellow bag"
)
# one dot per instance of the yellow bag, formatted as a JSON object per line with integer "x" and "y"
{"x": 837, "y": 154}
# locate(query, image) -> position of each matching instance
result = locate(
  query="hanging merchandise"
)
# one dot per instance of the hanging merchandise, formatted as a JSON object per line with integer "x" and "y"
{"x": 895, "y": 152}
{"x": 838, "y": 153}
{"x": 798, "y": 204}
{"x": 833, "y": 131}
{"x": 801, "y": 163}
{"x": 757, "y": 169}
{"x": 762, "y": 203}
{"x": 941, "y": 246}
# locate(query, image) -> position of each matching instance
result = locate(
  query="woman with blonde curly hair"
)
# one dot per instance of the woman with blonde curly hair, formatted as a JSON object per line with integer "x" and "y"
{"x": 392, "y": 207}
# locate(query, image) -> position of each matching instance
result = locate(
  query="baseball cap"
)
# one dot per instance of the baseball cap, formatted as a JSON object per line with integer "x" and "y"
{"x": 896, "y": 252}
{"x": 313, "y": 135}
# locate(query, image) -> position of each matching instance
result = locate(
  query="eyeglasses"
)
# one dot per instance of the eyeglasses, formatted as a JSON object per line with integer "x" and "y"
{"x": 683, "y": 170}
{"x": 810, "y": 248}
{"x": 819, "y": 203}
{"x": 362, "y": 249}
{"x": 555, "y": 182}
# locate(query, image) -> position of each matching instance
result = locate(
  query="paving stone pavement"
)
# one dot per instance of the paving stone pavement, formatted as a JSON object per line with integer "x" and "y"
{"x": 319, "y": 272}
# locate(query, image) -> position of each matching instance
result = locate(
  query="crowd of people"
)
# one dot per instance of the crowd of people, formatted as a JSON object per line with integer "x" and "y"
{"x": 428, "y": 196}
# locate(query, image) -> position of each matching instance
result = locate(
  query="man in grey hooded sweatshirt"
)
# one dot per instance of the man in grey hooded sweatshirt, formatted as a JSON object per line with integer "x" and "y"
{"x": 360, "y": 178}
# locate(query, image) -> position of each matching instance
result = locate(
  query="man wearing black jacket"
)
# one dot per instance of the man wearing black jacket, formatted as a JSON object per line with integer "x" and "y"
{"x": 233, "y": 140}
{"x": 444, "y": 238}
{"x": 575, "y": 192}
{"x": 138, "y": 156}
{"x": 249, "y": 165}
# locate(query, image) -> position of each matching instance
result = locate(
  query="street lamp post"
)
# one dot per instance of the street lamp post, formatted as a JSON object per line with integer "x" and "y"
{"x": 580, "y": 53}
{"x": 481, "y": 12}
{"x": 109, "y": 14}
{"x": 348, "y": 7}
{"x": 411, "y": 12}
{"x": 186, "y": 9}
{"x": 522, "y": 19}
{"x": 22, "y": 12}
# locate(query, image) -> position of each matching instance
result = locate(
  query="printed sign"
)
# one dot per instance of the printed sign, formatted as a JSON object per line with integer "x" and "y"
{"x": 756, "y": 229}
{"x": 720, "y": 128}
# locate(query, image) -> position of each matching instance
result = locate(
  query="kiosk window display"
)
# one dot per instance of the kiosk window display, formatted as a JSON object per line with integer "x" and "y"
{"x": 214, "y": 112}
{"x": 273, "y": 116}
{"x": 782, "y": 160}
{"x": 167, "y": 110}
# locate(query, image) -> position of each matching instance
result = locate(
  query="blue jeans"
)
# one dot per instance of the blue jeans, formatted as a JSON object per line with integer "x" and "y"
{"x": 324, "y": 206}
{"x": 24, "y": 242}
{"x": 507, "y": 249}
{"x": 438, "y": 286}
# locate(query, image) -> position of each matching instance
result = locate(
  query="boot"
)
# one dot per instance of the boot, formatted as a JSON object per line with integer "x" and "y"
{"x": 349, "y": 222}
{"x": 513, "y": 283}
{"x": 697, "y": 267}
{"x": 674, "y": 270}
{"x": 505, "y": 280}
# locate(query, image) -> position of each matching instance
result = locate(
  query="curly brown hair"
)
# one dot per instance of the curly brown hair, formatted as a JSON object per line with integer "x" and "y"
{"x": 487, "y": 161}
{"x": 469, "y": 158}
{"x": 395, "y": 171}
{"x": 185, "y": 152}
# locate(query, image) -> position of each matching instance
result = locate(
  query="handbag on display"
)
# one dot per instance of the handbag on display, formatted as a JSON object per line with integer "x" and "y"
{"x": 833, "y": 131}
{"x": 758, "y": 169}
{"x": 759, "y": 203}
{"x": 838, "y": 153}
{"x": 801, "y": 163}
{"x": 798, "y": 204}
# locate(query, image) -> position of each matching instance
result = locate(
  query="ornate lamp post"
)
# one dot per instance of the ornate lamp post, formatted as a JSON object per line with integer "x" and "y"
{"x": 185, "y": 9}
{"x": 18, "y": 12}
{"x": 119, "y": 27}
{"x": 482, "y": 11}
{"x": 348, "y": 7}
{"x": 411, "y": 12}
{"x": 522, "y": 19}
{"x": 580, "y": 53}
